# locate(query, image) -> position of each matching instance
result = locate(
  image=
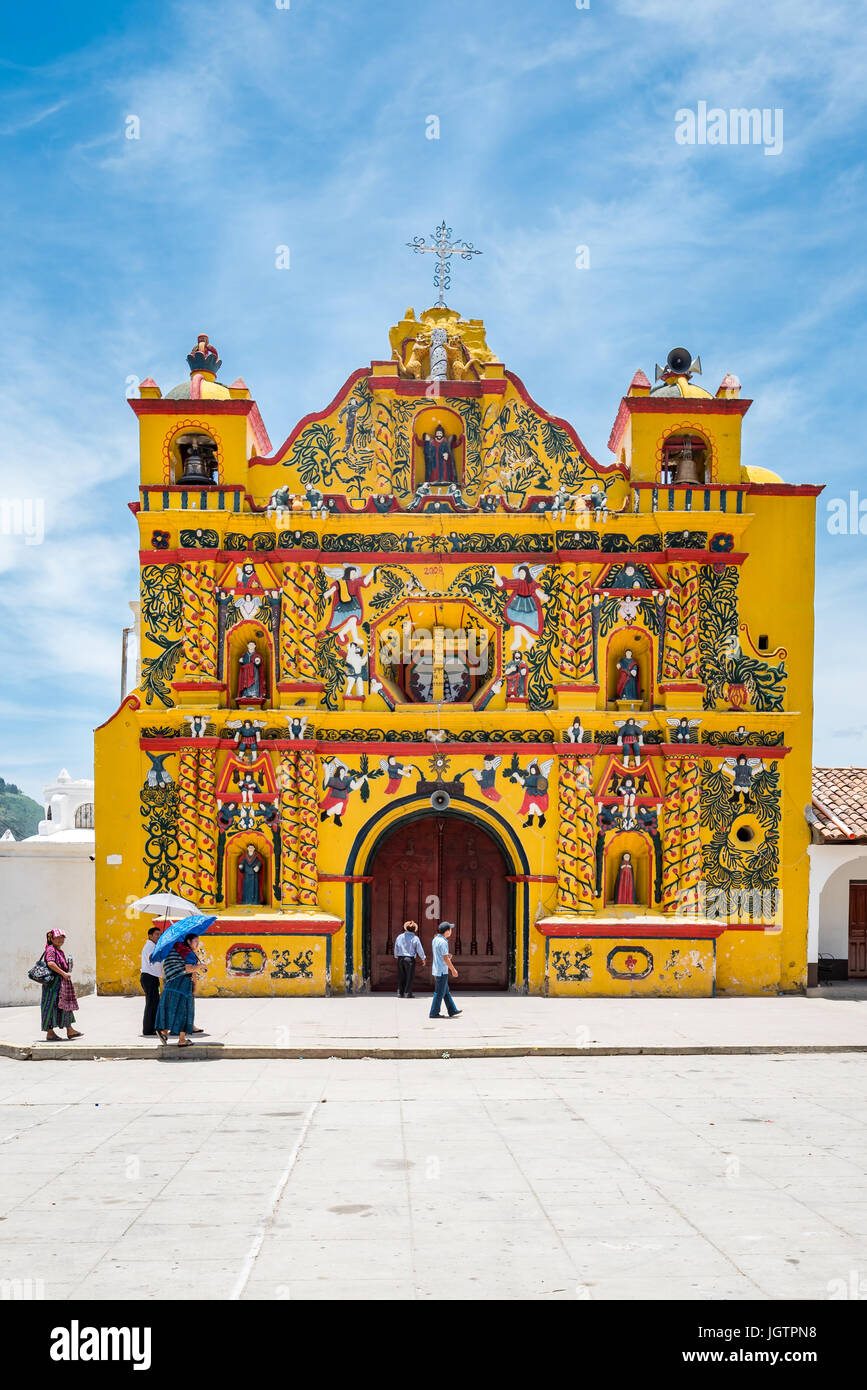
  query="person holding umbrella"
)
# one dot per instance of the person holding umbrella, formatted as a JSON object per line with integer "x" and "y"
{"x": 59, "y": 1000}
{"x": 176, "y": 1007}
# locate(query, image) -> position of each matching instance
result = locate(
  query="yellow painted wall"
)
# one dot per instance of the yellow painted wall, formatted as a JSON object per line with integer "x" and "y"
{"x": 345, "y": 491}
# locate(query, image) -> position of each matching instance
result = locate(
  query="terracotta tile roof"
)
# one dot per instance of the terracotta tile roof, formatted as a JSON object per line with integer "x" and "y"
{"x": 840, "y": 803}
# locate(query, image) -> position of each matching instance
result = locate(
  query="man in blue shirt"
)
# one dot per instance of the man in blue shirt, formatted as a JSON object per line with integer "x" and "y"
{"x": 406, "y": 948}
{"x": 442, "y": 967}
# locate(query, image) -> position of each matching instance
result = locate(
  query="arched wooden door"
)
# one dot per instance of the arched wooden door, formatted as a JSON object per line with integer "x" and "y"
{"x": 457, "y": 862}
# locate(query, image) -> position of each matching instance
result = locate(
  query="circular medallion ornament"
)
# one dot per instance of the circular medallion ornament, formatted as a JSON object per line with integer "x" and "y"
{"x": 629, "y": 963}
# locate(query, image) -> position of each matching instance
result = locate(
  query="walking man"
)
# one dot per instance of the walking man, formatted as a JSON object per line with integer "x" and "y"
{"x": 150, "y": 982}
{"x": 406, "y": 948}
{"x": 442, "y": 967}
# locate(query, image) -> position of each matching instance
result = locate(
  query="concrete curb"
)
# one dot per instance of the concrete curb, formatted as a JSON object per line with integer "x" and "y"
{"x": 208, "y": 1052}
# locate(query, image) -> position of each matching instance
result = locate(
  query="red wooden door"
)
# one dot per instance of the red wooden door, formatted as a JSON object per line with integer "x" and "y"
{"x": 445, "y": 858}
{"x": 858, "y": 931}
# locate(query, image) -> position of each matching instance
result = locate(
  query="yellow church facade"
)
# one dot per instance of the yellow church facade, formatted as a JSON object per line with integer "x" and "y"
{"x": 429, "y": 659}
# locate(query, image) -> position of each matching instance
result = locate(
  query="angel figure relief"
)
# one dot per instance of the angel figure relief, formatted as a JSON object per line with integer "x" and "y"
{"x": 523, "y": 610}
{"x": 742, "y": 770}
{"x": 347, "y": 609}
{"x": 395, "y": 771}
{"x": 535, "y": 783}
{"x": 683, "y": 730}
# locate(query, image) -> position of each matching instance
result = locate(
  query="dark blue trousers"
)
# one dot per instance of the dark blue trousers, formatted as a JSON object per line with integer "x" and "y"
{"x": 442, "y": 992}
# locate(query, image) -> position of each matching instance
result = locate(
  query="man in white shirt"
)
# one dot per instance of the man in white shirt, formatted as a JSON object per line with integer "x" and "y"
{"x": 406, "y": 948}
{"x": 150, "y": 983}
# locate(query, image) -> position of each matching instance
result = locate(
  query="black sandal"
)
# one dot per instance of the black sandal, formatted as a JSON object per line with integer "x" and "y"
{"x": 163, "y": 1035}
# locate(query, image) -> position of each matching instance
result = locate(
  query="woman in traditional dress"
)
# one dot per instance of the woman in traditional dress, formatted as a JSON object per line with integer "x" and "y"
{"x": 58, "y": 998}
{"x": 177, "y": 1008}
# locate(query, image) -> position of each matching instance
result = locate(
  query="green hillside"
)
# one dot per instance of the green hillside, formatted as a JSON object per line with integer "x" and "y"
{"x": 18, "y": 813}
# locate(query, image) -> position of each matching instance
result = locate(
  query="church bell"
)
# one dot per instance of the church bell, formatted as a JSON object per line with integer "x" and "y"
{"x": 686, "y": 466}
{"x": 197, "y": 467}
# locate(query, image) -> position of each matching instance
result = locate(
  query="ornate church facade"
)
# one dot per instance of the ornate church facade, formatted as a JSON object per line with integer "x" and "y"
{"x": 430, "y": 659}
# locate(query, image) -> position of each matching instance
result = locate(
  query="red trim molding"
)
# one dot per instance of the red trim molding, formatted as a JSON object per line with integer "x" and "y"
{"x": 633, "y": 929}
{"x": 275, "y": 926}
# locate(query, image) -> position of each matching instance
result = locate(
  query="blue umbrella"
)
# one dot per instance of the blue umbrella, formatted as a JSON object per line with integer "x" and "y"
{"x": 187, "y": 926}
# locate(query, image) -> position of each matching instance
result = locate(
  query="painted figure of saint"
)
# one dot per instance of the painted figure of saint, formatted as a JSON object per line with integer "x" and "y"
{"x": 251, "y": 877}
{"x": 439, "y": 459}
{"x": 251, "y": 675}
{"x": 523, "y": 610}
{"x": 349, "y": 413}
{"x": 624, "y": 883}
{"x": 346, "y": 609}
{"x": 517, "y": 674}
{"x": 247, "y": 735}
{"x": 629, "y": 678}
{"x": 630, "y": 739}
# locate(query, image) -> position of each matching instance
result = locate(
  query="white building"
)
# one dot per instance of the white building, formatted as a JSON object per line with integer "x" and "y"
{"x": 47, "y": 881}
{"x": 837, "y": 921}
{"x": 68, "y": 811}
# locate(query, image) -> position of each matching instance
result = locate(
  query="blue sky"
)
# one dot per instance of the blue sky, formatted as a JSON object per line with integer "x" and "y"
{"x": 262, "y": 127}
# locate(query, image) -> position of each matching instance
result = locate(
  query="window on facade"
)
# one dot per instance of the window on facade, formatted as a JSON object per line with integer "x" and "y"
{"x": 84, "y": 816}
{"x": 437, "y": 665}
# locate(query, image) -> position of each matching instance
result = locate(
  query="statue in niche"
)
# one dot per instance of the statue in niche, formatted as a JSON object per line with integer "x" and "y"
{"x": 624, "y": 883}
{"x": 251, "y": 878}
{"x": 251, "y": 676}
{"x": 439, "y": 458}
{"x": 628, "y": 678}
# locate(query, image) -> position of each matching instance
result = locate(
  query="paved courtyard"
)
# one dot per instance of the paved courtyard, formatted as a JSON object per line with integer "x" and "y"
{"x": 493, "y": 1023}
{"x": 711, "y": 1177}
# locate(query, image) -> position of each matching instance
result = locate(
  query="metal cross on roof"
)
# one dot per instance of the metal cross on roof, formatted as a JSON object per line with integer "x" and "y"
{"x": 444, "y": 249}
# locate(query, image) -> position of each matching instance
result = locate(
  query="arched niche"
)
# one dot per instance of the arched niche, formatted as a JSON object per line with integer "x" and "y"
{"x": 426, "y": 422}
{"x": 246, "y": 640}
{"x": 194, "y": 460}
{"x": 235, "y": 852}
{"x": 633, "y": 843}
{"x": 685, "y": 457}
{"x": 639, "y": 643}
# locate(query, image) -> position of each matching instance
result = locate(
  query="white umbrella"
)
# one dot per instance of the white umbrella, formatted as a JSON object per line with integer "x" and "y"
{"x": 164, "y": 903}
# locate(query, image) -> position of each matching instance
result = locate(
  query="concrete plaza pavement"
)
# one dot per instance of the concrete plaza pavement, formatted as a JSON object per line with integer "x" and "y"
{"x": 561, "y": 1178}
{"x": 490, "y": 1025}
